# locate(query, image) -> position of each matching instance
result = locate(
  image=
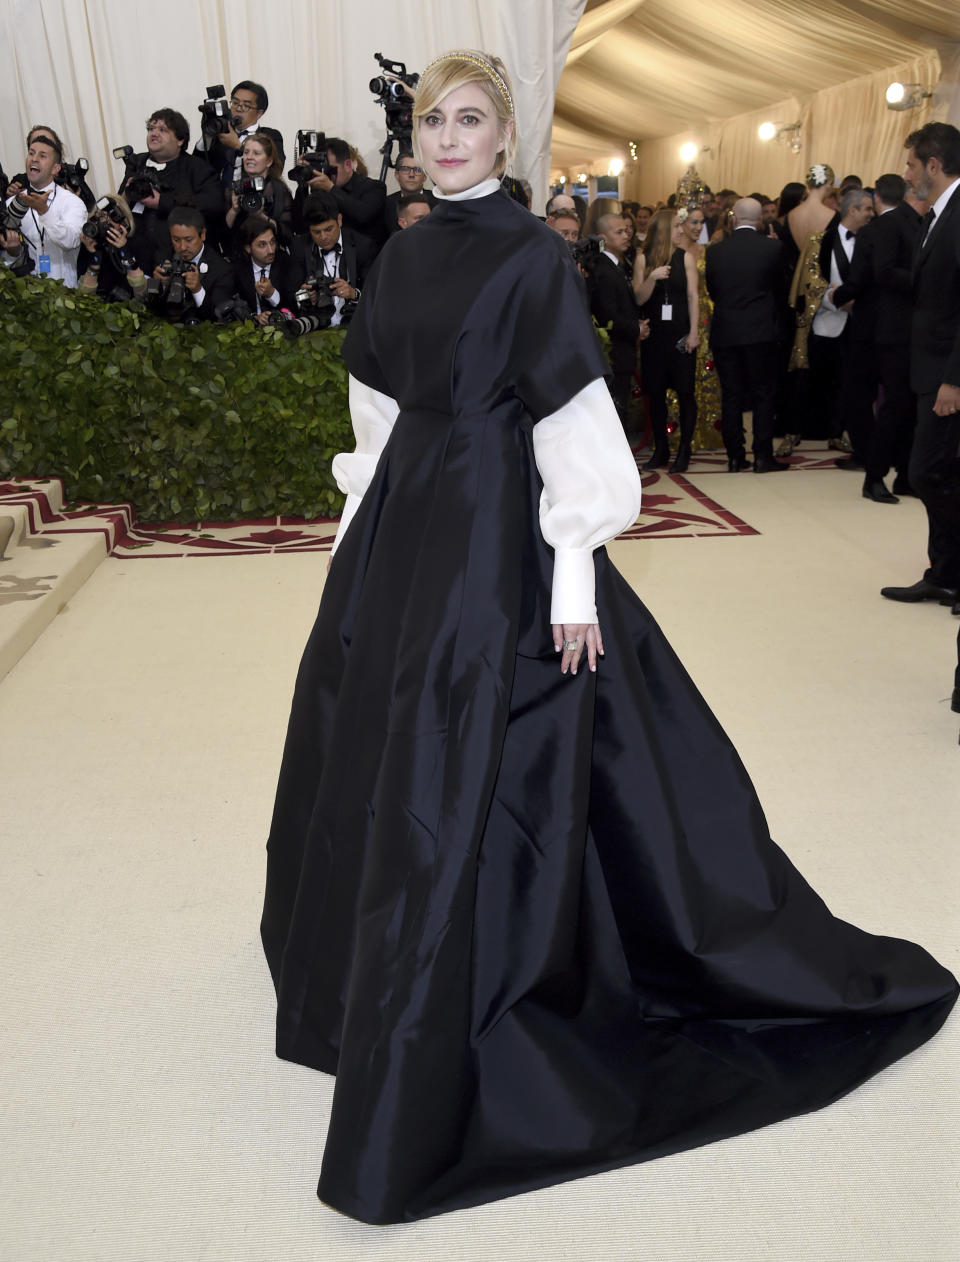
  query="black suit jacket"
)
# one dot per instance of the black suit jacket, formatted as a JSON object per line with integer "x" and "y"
{"x": 881, "y": 278}
{"x": 361, "y": 202}
{"x": 745, "y": 277}
{"x": 832, "y": 246}
{"x": 612, "y": 302}
{"x": 224, "y": 160}
{"x": 184, "y": 181}
{"x": 935, "y": 334}
{"x": 286, "y": 275}
{"x": 356, "y": 257}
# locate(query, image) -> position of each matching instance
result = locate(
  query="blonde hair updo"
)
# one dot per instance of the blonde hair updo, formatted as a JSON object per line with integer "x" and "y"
{"x": 456, "y": 69}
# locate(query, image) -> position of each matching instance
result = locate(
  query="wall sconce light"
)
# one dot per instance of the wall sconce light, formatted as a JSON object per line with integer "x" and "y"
{"x": 790, "y": 132}
{"x": 615, "y": 167}
{"x": 906, "y": 96}
{"x": 689, "y": 151}
{"x": 582, "y": 177}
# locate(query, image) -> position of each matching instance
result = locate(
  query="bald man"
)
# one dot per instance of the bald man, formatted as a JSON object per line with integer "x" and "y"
{"x": 744, "y": 277}
{"x": 612, "y": 304}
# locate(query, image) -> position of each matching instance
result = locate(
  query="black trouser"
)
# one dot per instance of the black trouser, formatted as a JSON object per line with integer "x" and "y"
{"x": 825, "y": 380}
{"x": 897, "y": 413}
{"x": 748, "y": 382}
{"x": 664, "y": 367}
{"x": 935, "y": 477}
{"x": 858, "y": 393}
{"x": 621, "y": 381}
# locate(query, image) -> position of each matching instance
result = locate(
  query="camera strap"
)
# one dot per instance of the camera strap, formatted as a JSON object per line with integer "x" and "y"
{"x": 41, "y": 232}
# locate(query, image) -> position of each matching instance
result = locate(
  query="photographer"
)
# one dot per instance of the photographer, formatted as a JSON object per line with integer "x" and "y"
{"x": 42, "y": 222}
{"x": 259, "y": 191}
{"x": 333, "y": 257}
{"x": 248, "y": 104}
{"x": 196, "y": 280}
{"x": 359, "y": 199}
{"x": 166, "y": 176}
{"x": 108, "y": 266}
{"x": 264, "y": 276}
{"x": 566, "y": 222}
{"x": 410, "y": 178}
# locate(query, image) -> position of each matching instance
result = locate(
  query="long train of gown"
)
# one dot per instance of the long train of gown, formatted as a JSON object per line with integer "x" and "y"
{"x": 535, "y": 925}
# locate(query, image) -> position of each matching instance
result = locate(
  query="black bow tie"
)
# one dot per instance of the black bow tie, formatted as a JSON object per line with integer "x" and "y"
{"x": 334, "y": 249}
{"x": 850, "y": 235}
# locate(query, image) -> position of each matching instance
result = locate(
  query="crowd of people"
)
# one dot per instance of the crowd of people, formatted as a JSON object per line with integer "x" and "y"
{"x": 798, "y": 309}
{"x": 215, "y": 232}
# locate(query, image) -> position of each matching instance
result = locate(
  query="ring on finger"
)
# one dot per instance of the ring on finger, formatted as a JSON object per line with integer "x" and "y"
{"x": 570, "y": 645}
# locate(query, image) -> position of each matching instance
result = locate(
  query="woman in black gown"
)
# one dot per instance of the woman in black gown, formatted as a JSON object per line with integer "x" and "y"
{"x": 530, "y": 916}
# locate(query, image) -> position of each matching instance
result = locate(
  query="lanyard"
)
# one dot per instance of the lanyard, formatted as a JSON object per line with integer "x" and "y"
{"x": 41, "y": 232}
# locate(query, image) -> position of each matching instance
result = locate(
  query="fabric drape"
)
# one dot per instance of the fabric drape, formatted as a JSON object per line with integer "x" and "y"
{"x": 92, "y": 70}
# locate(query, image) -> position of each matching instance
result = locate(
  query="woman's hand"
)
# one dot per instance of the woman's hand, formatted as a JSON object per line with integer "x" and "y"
{"x": 693, "y": 340}
{"x": 577, "y": 634}
{"x": 660, "y": 273}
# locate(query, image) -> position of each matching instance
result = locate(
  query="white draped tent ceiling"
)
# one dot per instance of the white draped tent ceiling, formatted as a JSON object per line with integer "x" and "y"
{"x": 651, "y": 71}
{"x": 658, "y": 72}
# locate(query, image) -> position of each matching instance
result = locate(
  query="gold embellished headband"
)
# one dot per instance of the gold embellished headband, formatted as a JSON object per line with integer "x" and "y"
{"x": 482, "y": 64}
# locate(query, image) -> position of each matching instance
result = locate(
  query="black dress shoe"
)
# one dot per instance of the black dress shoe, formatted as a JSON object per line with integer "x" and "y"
{"x": 850, "y": 464}
{"x": 921, "y": 590}
{"x": 901, "y": 486}
{"x": 767, "y": 464}
{"x": 877, "y": 492}
{"x": 955, "y": 703}
{"x": 956, "y": 608}
{"x": 659, "y": 459}
{"x": 681, "y": 461}
{"x": 736, "y": 464}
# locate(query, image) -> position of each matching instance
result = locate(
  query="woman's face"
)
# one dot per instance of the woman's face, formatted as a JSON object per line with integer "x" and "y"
{"x": 255, "y": 160}
{"x": 460, "y": 139}
{"x": 693, "y": 224}
{"x": 678, "y": 234}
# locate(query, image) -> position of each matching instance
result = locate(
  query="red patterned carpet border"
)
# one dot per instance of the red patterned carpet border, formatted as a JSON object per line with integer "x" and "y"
{"x": 672, "y": 508}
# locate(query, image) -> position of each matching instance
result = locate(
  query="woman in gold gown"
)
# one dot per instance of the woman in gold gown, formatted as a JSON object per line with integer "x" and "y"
{"x": 706, "y": 434}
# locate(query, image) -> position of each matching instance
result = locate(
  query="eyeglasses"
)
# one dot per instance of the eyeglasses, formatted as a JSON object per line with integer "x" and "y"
{"x": 243, "y": 106}
{"x": 405, "y": 170}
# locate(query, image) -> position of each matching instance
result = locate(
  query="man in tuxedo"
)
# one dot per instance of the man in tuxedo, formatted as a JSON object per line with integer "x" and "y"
{"x": 359, "y": 200}
{"x": 612, "y": 303}
{"x": 879, "y": 286}
{"x": 181, "y": 178}
{"x": 209, "y": 279}
{"x": 411, "y": 179}
{"x": 248, "y": 104}
{"x": 338, "y": 258}
{"x": 264, "y": 276}
{"x": 744, "y": 273}
{"x": 412, "y": 208}
{"x": 933, "y": 172}
{"x": 829, "y": 332}
{"x": 567, "y": 223}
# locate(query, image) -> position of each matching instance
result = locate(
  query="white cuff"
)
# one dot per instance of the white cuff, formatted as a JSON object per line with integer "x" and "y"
{"x": 574, "y": 587}
{"x": 346, "y": 517}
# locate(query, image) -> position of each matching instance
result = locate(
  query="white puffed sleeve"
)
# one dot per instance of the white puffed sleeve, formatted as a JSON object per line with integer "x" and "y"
{"x": 372, "y": 415}
{"x": 591, "y": 492}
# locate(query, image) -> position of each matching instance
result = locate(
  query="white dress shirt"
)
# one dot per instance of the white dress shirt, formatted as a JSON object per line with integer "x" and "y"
{"x": 591, "y": 486}
{"x": 829, "y": 321}
{"x": 55, "y": 233}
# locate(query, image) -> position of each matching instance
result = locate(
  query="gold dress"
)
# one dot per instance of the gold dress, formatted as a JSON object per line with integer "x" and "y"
{"x": 706, "y": 434}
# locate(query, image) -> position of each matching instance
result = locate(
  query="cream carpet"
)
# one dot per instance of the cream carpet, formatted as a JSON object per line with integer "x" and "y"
{"x": 144, "y": 1115}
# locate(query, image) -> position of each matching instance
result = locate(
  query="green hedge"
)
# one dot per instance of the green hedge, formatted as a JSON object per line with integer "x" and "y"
{"x": 211, "y": 423}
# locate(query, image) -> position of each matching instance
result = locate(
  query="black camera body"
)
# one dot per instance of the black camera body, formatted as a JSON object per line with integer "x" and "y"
{"x": 11, "y": 216}
{"x": 312, "y": 147}
{"x": 175, "y": 269}
{"x": 249, "y": 191}
{"x": 107, "y": 213}
{"x": 397, "y": 104}
{"x": 315, "y": 297}
{"x": 215, "y": 116}
{"x": 73, "y": 177}
{"x": 141, "y": 181}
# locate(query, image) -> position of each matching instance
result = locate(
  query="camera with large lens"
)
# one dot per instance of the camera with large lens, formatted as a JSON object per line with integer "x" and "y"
{"x": 232, "y": 309}
{"x": 586, "y": 252}
{"x": 315, "y": 297}
{"x": 311, "y": 146}
{"x": 249, "y": 191}
{"x": 11, "y": 215}
{"x": 295, "y": 326}
{"x": 140, "y": 181}
{"x": 174, "y": 269}
{"x": 73, "y": 177}
{"x": 106, "y": 214}
{"x": 215, "y": 116}
{"x": 397, "y": 104}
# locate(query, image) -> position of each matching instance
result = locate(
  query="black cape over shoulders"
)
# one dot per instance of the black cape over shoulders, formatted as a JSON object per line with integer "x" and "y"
{"x": 535, "y": 924}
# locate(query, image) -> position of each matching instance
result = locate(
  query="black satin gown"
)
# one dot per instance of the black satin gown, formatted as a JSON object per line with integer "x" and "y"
{"x": 534, "y": 924}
